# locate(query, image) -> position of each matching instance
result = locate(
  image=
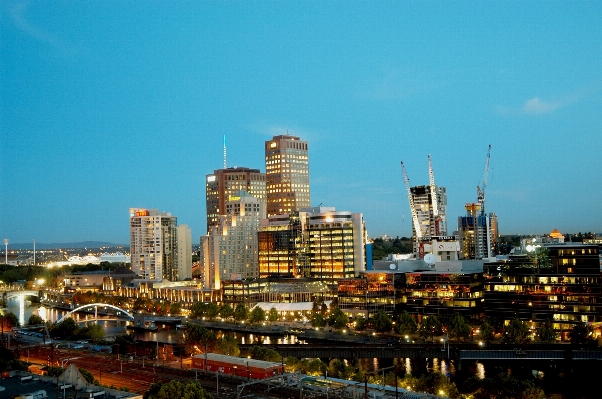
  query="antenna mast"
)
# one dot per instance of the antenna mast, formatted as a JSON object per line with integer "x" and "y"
{"x": 225, "y": 165}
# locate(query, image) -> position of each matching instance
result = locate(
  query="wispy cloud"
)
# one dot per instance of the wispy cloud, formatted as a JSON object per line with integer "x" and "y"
{"x": 17, "y": 13}
{"x": 396, "y": 84}
{"x": 539, "y": 106}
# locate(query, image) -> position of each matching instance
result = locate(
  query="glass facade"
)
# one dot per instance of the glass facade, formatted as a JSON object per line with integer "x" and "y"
{"x": 287, "y": 175}
{"x": 561, "y": 283}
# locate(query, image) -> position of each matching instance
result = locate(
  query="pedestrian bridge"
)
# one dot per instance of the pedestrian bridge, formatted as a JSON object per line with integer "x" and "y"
{"x": 16, "y": 294}
{"x": 95, "y": 306}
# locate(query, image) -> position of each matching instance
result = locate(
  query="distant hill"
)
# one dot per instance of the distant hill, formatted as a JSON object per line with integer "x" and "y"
{"x": 67, "y": 245}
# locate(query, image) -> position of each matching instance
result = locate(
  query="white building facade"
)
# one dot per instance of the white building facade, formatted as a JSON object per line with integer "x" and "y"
{"x": 153, "y": 244}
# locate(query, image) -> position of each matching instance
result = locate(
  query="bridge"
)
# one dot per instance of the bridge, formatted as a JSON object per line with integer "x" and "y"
{"x": 15, "y": 294}
{"x": 456, "y": 351}
{"x": 95, "y": 306}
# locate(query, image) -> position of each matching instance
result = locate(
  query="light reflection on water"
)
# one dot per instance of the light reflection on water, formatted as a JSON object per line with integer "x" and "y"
{"x": 24, "y": 309}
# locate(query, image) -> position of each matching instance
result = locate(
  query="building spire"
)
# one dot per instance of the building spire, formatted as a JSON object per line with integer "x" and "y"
{"x": 225, "y": 163}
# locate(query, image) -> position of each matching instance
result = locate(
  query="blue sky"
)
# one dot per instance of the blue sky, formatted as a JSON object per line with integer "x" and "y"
{"x": 110, "y": 105}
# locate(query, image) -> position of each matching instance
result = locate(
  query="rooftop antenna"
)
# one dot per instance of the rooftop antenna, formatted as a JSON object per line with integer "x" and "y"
{"x": 225, "y": 164}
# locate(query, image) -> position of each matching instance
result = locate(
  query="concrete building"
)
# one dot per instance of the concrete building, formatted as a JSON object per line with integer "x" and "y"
{"x": 184, "y": 252}
{"x": 287, "y": 175}
{"x": 477, "y": 233}
{"x": 153, "y": 244}
{"x": 230, "y": 249}
{"x": 226, "y": 183}
{"x": 429, "y": 224}
{"x": 316, "y": 243}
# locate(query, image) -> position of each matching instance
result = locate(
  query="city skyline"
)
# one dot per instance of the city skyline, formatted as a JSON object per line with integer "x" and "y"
{"x": 107, "y": 107}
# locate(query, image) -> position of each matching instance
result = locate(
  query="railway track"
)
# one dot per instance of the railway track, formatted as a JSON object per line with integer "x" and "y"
{"x": 138, "y": 375}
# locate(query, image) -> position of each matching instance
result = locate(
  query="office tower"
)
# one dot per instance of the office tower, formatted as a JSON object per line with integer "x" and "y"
{"x": 228, "y": 182}
{"x": 153, "y": 244}
{"x": 184, "y": 252}
{"x": 287, "y": 175}
{"x": 230, "y": 248}
{"x": 316, "y": 242}
{"x": 477, "y": 232}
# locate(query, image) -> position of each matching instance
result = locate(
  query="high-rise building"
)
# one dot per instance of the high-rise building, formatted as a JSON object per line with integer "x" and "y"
{"x": 230, "y": 248}
{"x": 316, "y": 242}
{"x": 477, "y": 232}
{"x": 226, "y": 183}
{"x": 287, "y": 175}
{"x": 184, "y": 252}
{"x": 153, "y": 244}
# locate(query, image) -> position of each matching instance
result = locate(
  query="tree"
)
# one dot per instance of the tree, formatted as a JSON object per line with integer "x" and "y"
{"x": 93, "y": 331}
{"x": 486, "y": 332}
{"x": 264, "y": 353}
{"x": 516, "y": 332}
{"x": 546, "y": 332}
{"x": 197, "y": 335}
{"x": 34, "y": 320}
{"x": 382, "y": 322}
{"x": 438, "y": 384}
{"x": 580, "y": 334}
{"x": 257, "y": 315}
{"x": 318, "y": 320}
{"x": 227, "y": 345}
{"x": 360, "y": 324}
{"x": 458, "y": 327}
{"x": 430, "y": 327}
{"x": 176, "y": 389}
{"x": 88, "y": 376}
{"x": 226, "y": 311}
{"x": 67, "y": 329}
{"x": 273, "y": 315}
{"x": 338, "y": 319}
{"x": 9, "y": 320}
{"x": 241, "y": 313}
{"x": 339, "y": 369}
{"x": 175, "y": 308}
{"x": 405, "y": 324}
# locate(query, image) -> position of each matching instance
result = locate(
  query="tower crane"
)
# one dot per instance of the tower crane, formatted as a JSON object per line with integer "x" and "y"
{"x": 406, "y": 181}
{"x": 434, "y": 200}
{"x": 481, "y": 192}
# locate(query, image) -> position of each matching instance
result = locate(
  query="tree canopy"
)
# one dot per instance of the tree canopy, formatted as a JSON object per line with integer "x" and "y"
{"x": 177, "y": 389}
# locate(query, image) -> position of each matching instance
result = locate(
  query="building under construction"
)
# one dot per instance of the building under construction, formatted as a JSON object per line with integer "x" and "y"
{"x": 478, "y": 231}
{"x": 428, "y": 205}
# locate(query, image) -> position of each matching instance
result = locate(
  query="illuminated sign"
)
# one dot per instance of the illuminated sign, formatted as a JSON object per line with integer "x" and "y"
{"x": 233, "y": 198}
{"x": 138, "y": 212}
{"x": 273, "y": 144}
{"x": 211, "y": 178}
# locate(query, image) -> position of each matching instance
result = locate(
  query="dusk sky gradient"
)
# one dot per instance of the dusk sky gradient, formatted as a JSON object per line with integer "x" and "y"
{"x": 109, "y": 105}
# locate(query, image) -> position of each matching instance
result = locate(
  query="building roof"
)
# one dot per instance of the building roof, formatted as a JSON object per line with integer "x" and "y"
{"x": 288, "y": 306}
{"x": 241, "y": 361}
{"x": 556, "y": 234}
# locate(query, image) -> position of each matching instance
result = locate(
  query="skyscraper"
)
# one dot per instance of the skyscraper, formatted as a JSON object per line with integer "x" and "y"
{"x": 226, "y": 183}
{"x": 287, "y": 175}
{"x": 317, "y": 242}
{"x": 153, "y": 244}
{"x": 478, "y": 233}
{"x": 230, "y": 248}
{"x": 184, "y": 252}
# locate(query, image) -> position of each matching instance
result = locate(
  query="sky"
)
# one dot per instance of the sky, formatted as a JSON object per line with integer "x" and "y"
{"x": 107, "y": 106}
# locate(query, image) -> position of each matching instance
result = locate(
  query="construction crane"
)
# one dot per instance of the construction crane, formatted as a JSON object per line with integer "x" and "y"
{"x": 481, "y": 192}
{"x": 434, "y": 201}
{"x": 406, "y": 181}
